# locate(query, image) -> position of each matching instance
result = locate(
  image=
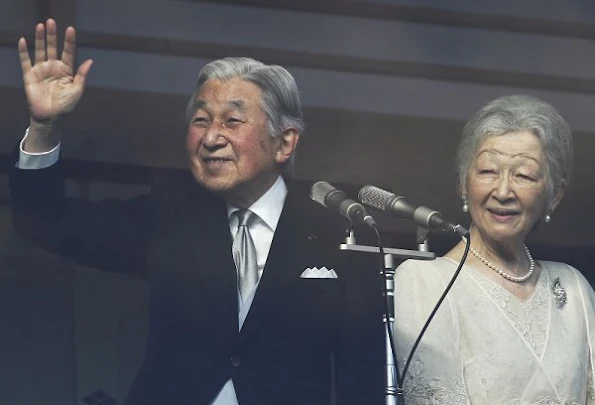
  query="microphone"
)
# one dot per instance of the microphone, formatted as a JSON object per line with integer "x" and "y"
{"x": 397, "y": 206}
{"x": 330, "y": 197}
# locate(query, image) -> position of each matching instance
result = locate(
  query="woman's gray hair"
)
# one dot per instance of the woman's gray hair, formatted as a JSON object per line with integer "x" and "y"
{"x": 280, "y": 94}
{"x": 518, "y": 113}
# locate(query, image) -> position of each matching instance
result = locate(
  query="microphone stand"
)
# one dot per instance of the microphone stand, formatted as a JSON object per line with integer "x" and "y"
{"x": 422, "y": 239}
{"x": 392, "y": 394}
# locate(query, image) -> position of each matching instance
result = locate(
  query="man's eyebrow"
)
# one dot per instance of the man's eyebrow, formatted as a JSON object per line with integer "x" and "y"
{"x": 239, "y": 105}
{"x": 198, "y": 104}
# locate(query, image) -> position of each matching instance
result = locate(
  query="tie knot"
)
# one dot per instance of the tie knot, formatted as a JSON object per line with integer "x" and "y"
{"x": 245, "y": 217}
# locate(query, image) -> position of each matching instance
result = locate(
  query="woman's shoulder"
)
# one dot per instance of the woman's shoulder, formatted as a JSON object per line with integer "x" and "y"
{"x": 438, "y": 270}
{"x": 559, "y": 269}
{"x": 566, "y": 274}
{"x": 437, "y": 264}
{"x": 574, "y": 284}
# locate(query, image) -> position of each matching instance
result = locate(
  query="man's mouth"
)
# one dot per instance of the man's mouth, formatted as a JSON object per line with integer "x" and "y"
{"x": 215, "y": 160}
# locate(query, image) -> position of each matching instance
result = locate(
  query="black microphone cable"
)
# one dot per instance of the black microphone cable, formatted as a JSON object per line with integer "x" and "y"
{"x": 427, "y": 323}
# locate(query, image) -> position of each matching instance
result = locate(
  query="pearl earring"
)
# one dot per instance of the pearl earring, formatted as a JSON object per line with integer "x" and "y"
{"x": 547, "y": 218}
{"x": 465, "y": 204}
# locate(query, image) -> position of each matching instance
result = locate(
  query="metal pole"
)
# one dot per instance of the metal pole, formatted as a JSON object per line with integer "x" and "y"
{"x": 389, "y": 320}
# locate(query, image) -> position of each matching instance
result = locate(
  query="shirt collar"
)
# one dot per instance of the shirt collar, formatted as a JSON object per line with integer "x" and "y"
{"x": 269, "y": 206}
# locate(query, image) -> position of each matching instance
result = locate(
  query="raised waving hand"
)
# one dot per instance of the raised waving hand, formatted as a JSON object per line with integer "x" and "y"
{"x": 51, "y": 85}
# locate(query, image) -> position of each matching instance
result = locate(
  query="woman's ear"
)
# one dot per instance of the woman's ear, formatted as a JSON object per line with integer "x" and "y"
{"x": 559, "y": 191}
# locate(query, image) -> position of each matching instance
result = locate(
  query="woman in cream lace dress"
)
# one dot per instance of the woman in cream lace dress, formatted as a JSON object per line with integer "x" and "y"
{"x": 512, "y": 330}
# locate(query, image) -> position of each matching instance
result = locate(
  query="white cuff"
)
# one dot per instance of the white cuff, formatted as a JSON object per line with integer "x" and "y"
{"x": 31, "y": 161}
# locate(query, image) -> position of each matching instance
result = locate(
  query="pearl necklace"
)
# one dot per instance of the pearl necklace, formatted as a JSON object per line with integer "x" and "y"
{"x": 504, "y": 274}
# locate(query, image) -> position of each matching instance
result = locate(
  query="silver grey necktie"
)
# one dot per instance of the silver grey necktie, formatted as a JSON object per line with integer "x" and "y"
{"x": 244, "y": 254}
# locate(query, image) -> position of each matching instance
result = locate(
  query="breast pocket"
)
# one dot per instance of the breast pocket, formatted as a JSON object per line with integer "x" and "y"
{"x": 329, "y": 285}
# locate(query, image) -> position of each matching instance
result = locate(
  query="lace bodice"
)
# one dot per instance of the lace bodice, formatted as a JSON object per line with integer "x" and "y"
{"x": 485, "y": 346}
{"x": 530, "y": 317}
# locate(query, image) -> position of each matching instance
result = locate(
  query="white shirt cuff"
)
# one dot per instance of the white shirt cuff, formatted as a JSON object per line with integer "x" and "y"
{"x": 42, "y": 160}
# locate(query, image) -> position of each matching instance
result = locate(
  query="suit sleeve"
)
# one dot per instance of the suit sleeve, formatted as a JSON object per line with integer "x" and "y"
{"x": 109, "y": 235}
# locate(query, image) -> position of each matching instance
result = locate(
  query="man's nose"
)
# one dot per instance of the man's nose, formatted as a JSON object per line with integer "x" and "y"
{"x": 214, "y": 136}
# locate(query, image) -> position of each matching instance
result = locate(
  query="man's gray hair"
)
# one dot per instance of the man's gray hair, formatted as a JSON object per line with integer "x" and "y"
{"x": 518, "y": 113}
{"x": 280, "y": 94}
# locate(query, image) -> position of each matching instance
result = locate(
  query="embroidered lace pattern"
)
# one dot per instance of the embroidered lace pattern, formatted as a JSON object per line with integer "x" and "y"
{"x": 421, "y": 390}
{"x": 590, "y": 385}
{"x": 464, "y": 357}
{"x": 544, "y": 401}
{"x": 530, "y": 317}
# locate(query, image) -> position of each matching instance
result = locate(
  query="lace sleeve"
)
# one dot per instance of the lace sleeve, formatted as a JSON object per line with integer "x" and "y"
{"x": 435, "y": 375}
{"x": 588, "y": 299}
{"x": 590, "y": 385}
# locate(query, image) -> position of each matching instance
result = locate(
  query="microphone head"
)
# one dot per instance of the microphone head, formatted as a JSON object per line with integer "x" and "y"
{"x": 386, "y": 202}
{"x": 330, "y": 197}
{"x": 397, "y": 206}
{"x": 320, "y": 190}
{"x": 327, "y": 195}
{"x": 375, "y": 197}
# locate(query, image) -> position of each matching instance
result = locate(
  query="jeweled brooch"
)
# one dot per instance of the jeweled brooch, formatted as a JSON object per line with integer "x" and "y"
{"x": 559, "y": 293}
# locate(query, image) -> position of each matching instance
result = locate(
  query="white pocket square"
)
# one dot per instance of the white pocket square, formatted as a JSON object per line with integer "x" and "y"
{"x": 322, "y": 272}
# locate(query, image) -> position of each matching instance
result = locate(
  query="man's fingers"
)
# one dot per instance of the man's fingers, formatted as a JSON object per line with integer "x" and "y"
{"x": 24, "y": 55}
{"x": 40, "y": 43}
{"x": 51, "y": 36}
{"x": 69, "y": 47}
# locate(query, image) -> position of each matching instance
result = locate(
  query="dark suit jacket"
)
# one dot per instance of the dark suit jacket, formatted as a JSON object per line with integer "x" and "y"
{"x": 178, "y": 237}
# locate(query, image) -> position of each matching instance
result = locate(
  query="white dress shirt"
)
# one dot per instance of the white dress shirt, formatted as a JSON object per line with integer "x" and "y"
{"x": 268, "y": 208}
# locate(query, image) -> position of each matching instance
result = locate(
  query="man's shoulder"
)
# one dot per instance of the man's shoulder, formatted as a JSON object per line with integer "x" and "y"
{"x": 177, "y": 185}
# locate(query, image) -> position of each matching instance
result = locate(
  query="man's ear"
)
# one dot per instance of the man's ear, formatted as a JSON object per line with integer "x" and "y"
{"x": 287, "y": 142}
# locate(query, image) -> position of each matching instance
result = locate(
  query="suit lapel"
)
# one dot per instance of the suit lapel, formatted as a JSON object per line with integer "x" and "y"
{"x": 296, "y": 239}
{"x": 210, "y": 282}
{"x": 211, "y": 279}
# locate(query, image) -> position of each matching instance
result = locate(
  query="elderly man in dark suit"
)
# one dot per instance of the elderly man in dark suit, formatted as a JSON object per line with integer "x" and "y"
{"x": 251, "y": 302}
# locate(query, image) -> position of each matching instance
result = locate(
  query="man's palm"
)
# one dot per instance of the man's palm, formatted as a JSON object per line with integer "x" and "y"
{"x": 51, "y": 87}
{"x": 51, "y": 90}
